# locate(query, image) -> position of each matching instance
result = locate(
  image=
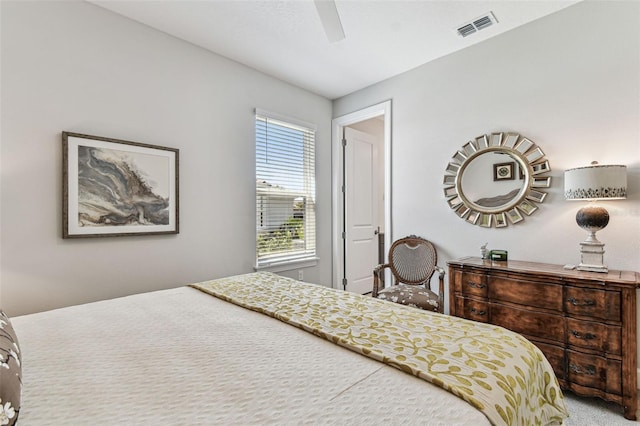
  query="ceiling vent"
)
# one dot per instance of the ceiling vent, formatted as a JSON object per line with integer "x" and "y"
{"x": 480, "y": 23}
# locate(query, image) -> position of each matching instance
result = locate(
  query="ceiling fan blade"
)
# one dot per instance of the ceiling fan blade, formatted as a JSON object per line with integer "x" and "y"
{"x": 330, "y": 19}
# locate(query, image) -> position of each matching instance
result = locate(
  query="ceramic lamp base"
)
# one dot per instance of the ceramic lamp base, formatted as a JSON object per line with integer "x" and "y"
{"x": 592, "y": 256}
{"x": 592, "y": 219}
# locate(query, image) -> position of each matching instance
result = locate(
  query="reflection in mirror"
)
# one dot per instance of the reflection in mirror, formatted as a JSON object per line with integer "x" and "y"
{"x": 491, "y": 179}
{"x": 484, "y": 184}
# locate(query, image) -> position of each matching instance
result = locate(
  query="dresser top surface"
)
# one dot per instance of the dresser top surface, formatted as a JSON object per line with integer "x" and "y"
{"x": 613, "y": 276}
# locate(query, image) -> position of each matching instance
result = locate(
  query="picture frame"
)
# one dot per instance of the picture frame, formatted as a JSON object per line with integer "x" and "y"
{"x": 115, "y": 188}
{"x": 504, "y": 171}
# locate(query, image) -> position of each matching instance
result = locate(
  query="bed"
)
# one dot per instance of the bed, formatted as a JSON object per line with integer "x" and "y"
{"x": 264, "y": 349}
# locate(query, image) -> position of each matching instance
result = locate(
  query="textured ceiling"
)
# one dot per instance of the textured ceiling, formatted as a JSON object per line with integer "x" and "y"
{"x": 286, "y": 39}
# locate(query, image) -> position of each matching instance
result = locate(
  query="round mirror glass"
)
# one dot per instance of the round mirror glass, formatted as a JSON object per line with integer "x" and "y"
{"x": 492, "y": 180}
{"x": 495, "y": 179}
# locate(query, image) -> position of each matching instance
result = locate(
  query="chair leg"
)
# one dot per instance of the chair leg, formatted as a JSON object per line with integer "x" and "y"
{"x": 374, "y": 293}
{"x": 377, "y": 280}
{"x": 441, "y": 294}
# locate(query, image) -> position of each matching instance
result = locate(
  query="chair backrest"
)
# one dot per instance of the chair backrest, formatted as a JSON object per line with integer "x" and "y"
{"x": 412, "y": 260}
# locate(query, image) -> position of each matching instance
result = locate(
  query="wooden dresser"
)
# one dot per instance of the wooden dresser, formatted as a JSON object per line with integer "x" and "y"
{"x": 584, "y": 322}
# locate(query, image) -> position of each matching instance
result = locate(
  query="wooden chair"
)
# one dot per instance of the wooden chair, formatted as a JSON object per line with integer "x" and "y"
{"x": 412, "y": 261}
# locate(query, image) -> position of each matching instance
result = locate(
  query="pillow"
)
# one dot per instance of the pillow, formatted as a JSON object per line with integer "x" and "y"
{"x": 10, "y": 373}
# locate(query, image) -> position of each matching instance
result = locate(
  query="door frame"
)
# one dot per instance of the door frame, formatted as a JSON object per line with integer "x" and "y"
{"x": 337, "y": 180}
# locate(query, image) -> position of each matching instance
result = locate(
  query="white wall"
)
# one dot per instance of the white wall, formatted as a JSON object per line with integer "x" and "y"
{"x": 570, "y": 82}
{"x": 76, "y": 67}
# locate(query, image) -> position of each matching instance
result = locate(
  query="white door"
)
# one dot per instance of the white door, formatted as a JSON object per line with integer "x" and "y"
{"x": 361, "y": 210}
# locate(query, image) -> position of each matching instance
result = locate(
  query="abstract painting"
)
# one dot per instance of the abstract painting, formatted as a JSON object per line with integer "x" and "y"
{"x": 113, "y": 187}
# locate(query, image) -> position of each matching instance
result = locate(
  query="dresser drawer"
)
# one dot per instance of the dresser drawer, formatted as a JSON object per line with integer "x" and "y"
{"x": 473, "y": 309}
{"x": 474, "y": 284}
{"x": 528, "y": 293}
{"x": 596, "y": 336}
{"x": 533, "y": 324}
{"x": 593, "y": 303}
{"x": 595, "y": 372}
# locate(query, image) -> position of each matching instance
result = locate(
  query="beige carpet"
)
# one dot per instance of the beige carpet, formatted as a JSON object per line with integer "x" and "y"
{"x": 594, "y": 412}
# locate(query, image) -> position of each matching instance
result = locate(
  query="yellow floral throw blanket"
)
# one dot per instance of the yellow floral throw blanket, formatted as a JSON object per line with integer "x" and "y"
{"x": 497, "y": 371}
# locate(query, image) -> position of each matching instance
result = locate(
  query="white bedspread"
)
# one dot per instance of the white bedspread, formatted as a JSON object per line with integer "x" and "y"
{"x": 181, "y": 357}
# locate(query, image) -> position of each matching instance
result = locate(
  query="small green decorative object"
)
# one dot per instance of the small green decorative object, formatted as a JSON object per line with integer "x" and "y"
{"x": 499, "y": 255}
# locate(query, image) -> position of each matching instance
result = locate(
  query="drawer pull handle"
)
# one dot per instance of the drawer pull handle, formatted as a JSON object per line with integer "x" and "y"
{"x": 587, "y": 302}
{"x": 476, "y": 285}
{"x": 476, "y": 312}
{"x": 585, "y": 336}
{"x": 590, "y": 370}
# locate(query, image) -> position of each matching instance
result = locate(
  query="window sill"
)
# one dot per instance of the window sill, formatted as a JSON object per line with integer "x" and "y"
{"x": 288, "y": 265}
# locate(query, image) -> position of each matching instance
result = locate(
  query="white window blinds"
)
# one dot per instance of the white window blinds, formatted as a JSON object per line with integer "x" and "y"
{"x": 285, "y": 190}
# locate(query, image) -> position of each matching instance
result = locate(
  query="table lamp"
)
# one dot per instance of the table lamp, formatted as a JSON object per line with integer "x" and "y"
{"x": 593, "y": 183}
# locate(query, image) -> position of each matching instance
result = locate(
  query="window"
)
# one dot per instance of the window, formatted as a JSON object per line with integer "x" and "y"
{"x": 285, "y": 191}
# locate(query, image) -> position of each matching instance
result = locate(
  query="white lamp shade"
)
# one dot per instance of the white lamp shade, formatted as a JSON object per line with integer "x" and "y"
{"x": 596, "y": 182}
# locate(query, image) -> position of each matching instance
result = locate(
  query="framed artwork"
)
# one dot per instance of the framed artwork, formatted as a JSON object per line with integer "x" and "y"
{"x": 114, "y": 188}
{"x": 504, "y": 171}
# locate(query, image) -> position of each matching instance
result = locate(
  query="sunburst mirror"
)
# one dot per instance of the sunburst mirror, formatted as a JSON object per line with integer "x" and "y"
{"x": 495, "y": 179}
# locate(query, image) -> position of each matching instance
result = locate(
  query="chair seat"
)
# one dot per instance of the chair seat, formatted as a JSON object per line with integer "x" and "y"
{"x": 411, "y": 295}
